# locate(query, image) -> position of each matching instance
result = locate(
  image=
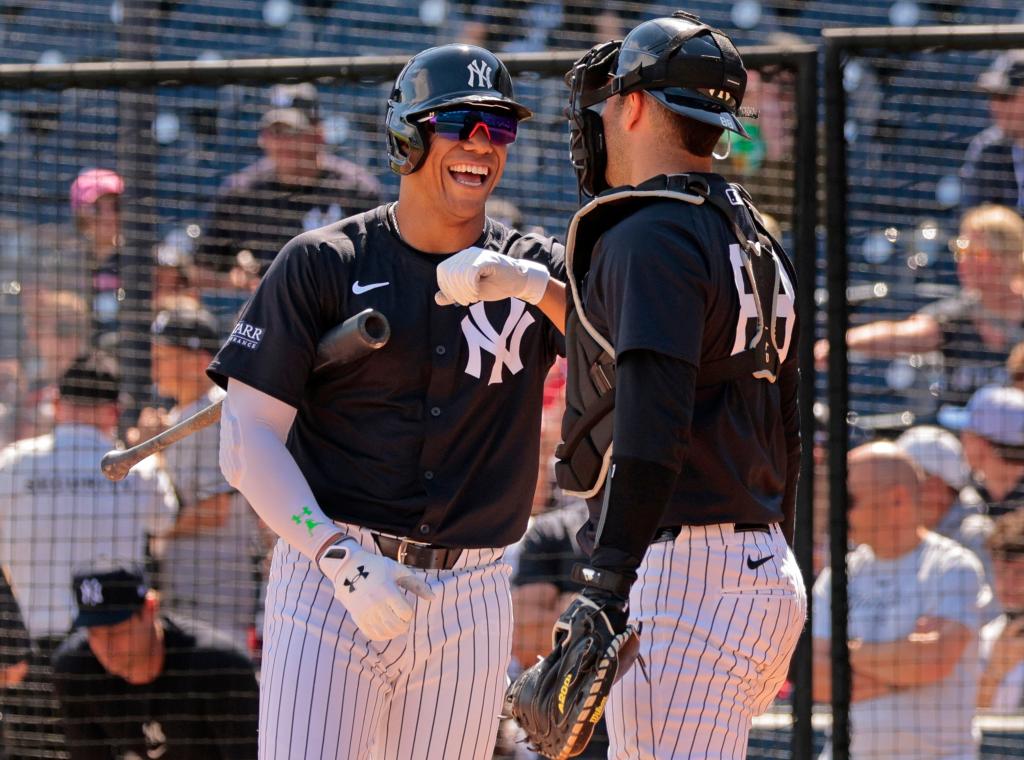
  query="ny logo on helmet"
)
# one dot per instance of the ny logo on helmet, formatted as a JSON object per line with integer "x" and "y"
{"x": 479, "y": 72}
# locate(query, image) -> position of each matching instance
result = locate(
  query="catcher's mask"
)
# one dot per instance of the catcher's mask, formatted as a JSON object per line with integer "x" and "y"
{"x": 691, "y": 68}
{"x": 442, "y": 79}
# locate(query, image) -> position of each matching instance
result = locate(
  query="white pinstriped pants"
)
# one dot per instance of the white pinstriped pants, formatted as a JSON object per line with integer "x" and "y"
{"x": 433, "y": 693}
{"x": 717, "y": 639}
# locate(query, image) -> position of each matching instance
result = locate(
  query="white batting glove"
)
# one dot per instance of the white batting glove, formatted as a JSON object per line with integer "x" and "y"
{"x": 476, "y": 274}
{"x": 371, "y": 588}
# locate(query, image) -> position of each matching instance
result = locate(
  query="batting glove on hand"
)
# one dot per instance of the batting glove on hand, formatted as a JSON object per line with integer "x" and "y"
{"x": 371, "y": 588}
{"x": 478, "y": 275}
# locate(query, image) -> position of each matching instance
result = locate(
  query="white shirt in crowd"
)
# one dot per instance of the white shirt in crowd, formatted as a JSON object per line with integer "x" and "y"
{"x": 59, "y": 515}
{"x": 940, "y": 579}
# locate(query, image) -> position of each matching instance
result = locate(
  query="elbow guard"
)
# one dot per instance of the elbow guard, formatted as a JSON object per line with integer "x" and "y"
{"x": 231, "y": 457}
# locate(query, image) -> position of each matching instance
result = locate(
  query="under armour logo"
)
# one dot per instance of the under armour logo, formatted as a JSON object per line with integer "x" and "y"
{"x": 481, "y": 73}
{"x": 350, "y": 583}
{"x": 92, "y": 592}
{"x": 480, "y": 334}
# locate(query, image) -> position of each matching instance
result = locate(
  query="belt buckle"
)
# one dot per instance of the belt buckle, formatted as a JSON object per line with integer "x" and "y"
{"x": 403, "y": 548}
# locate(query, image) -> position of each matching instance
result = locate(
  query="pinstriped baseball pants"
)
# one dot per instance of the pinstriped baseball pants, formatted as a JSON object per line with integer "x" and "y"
{"x": 720, "y": 623}
{"x": 433, "y": 693}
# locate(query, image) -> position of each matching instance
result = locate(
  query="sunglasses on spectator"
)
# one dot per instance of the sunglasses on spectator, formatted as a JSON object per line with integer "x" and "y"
{"x": 500, "y": 129}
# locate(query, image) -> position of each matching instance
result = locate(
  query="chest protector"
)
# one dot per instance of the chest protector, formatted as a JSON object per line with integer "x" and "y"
{"x": 585, "y": 453}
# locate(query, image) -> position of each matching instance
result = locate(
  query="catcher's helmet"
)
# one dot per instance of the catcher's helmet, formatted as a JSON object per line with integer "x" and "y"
{"x": 439, "y": 79}
{"x": 690, "y": 67}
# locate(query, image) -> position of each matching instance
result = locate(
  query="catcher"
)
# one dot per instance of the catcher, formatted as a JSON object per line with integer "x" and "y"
{"x": 679, "y": 337}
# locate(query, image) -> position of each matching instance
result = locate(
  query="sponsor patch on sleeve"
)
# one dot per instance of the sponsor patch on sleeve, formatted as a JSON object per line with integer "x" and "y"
{"x": 246, "y": 335}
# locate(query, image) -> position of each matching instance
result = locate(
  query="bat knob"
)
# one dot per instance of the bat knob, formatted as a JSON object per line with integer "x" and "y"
{"x": 113, "y": 466}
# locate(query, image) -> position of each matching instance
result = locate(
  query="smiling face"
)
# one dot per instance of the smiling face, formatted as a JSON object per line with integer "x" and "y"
{"x": 458, "y": 176}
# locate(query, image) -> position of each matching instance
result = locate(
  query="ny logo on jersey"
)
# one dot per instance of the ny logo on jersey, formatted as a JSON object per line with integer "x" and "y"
{"x": 479, "y": 72}
{"x": 480, "y": 334}
{"x": 156, "y": 739}
{"x": 746, "y": 323}
{"x": 361, "y": 572}
{"x": 92, "y": 592}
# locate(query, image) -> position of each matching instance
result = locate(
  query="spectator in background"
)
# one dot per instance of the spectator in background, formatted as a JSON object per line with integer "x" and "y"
{"x": 914, "y": 601}
{"x": 296, "y": 186}
{"x": 974, "y": 329}
{"x": 57, "y": 330}
{"x": 58, "y": 513}
{"x": 210, "y": 560}
{"x": 1015, "y": 366}
{"x": 992, "y": 431}
{"x": 96, "y": 209}
{"x": 1001, "y": 687}
{"x": 138, "y": 683}
{"x": 993, "y": 169}
{"x": 13, "y": 381}
{"x": 15, "y": 648}
{"x": 950, "y": 505}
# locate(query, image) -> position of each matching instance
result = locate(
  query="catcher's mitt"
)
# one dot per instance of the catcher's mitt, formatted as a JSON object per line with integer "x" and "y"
{"x": 559, "y": 700}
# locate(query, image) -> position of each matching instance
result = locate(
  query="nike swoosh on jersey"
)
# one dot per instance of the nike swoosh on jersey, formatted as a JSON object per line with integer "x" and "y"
{"x": 359, "y": 289}
{"x": 753, "y": 564}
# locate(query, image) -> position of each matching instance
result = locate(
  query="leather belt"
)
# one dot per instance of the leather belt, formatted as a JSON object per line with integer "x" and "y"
{"x": 416, "y": 554}
{"x": 671, "y": 532}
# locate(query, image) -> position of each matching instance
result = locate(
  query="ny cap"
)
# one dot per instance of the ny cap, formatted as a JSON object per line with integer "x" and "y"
{"x": 108, "y": 598}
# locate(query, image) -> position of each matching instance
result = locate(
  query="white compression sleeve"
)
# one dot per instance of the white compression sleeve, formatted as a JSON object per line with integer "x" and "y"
{"x": 253, "y": 457}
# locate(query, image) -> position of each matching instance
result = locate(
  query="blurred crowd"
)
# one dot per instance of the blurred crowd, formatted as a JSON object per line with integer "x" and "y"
{"x": 130, "y": 612}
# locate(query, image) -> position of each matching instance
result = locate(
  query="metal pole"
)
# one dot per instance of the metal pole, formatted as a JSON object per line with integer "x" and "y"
{"x": 806, "y": 250}
{"x": 838, "y": 391}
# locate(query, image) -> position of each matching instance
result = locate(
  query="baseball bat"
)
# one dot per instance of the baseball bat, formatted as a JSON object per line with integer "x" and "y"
{"x": 355, "y": 337}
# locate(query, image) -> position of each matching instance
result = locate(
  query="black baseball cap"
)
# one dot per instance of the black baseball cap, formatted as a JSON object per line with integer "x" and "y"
{"x": 194, "y": 329}
{"x": 92, "y": 378}
{"x": 1005, "y": 75}
{"x": 109, "y": 597}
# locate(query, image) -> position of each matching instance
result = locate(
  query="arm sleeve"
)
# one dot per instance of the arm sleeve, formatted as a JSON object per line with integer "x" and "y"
{"x": 255, "y": 460}
{"x": 654, "y": 396}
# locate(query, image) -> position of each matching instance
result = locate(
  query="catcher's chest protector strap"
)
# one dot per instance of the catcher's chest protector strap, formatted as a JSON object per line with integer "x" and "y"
{"x": 584, "y": 455}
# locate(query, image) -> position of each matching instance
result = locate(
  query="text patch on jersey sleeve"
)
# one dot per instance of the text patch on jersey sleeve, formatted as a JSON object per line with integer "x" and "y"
{"x": 246, "y": 335}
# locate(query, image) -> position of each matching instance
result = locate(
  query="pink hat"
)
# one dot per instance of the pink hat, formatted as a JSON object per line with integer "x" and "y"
{"x": 91, "y": 184}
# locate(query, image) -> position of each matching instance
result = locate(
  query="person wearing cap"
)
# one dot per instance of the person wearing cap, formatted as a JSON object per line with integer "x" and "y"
{"x": 950, "y": 504}
{"x": 991, "y": 428}
{"x": 993, "y": 168}
{"x": 974, "y": 329}
{"x": 1001, "y": 686}
{"x": 135, "y": 682}
{"x": 915, "y": 601}
{"x": 58, "y": 512}
{"x": 209, "y": 561}
{"x": 297, "y": 186}
{"x": 96, "y": 210}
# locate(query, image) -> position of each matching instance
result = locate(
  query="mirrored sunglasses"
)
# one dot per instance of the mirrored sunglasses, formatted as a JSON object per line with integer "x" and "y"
{"x": 500, "y": 129}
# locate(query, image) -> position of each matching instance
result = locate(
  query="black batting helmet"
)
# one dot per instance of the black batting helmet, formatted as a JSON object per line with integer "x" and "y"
{"x": 439, "y": 79}
{"x": 690, "y": 67}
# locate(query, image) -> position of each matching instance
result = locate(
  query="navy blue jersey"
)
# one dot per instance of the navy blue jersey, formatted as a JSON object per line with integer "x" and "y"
{"x": 436, "y": 435}
{"x": 669, "y": 279}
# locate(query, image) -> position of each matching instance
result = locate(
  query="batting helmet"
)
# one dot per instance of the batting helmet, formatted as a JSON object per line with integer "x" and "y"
{"x": 439, "y": 79}
{"x": 690, "y": 67}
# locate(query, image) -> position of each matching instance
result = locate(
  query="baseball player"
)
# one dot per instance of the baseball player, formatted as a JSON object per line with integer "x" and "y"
{"x": 681, "y": 424}
{"x": 395, "y": 481}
